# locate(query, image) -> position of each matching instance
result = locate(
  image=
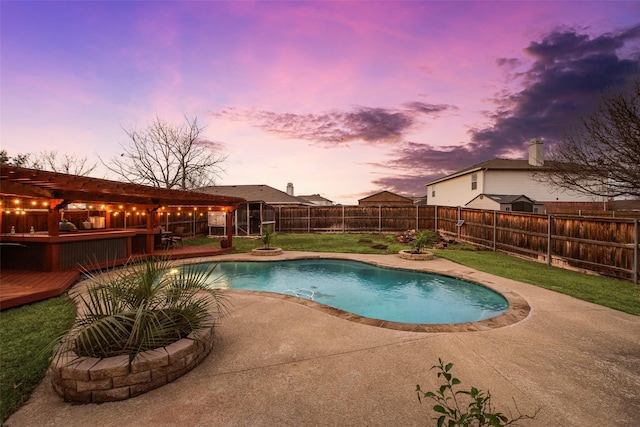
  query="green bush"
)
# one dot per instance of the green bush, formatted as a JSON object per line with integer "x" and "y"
{"x": 423, "y": 239}
{"x": 141, "y": 307}
{"x": 267, "y": 235}
{"x": 450, "y": 406}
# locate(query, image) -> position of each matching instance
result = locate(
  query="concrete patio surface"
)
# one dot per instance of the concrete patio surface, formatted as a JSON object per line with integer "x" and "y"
{"x": 280, "y": 363}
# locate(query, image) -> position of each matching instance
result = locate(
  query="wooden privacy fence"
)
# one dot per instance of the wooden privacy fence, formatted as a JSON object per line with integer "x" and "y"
{"x": 353, "y": 219}
{"x": 607, "y": 246}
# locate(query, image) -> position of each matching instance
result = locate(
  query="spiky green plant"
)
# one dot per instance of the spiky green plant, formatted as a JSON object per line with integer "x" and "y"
{"x": 424, "y": 238}
{"x": 267, "y": 235}
{"x": 144, "y": 305}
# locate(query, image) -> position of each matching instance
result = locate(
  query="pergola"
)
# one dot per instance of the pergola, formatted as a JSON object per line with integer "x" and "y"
{"x": 25, "y": 191}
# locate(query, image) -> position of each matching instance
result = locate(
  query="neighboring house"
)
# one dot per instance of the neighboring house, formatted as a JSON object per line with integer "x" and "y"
{"x": 258, "y": 193}
{"x": 385, "y": 198}
{"x": 317, "y": 200}
{"x": 260, "y": 208}
{"x": 502, "y": 202}
{"x": 501, "y": 176}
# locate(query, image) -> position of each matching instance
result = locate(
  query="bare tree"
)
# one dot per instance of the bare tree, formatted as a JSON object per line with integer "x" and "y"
{"x": 602, "y": 158}
{"x": 51, "y": 161}
{"x": 66, "y": 163}
{"x": 168, "y": 156}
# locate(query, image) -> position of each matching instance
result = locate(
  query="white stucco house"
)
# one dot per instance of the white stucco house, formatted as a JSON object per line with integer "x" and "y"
{"x": 504, "y": 177}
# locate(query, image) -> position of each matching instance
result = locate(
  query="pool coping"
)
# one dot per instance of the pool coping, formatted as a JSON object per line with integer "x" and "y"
{"x": 518, "y": 310}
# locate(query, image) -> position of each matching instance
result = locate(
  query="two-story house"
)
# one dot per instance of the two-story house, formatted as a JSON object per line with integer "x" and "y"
{"x": 506, "y": 178}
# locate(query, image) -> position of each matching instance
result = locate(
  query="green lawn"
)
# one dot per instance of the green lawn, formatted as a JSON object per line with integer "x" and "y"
{"x": 608, "y": 292}
{"x": 343, "y": 243}
{"x": 25, "y": 331}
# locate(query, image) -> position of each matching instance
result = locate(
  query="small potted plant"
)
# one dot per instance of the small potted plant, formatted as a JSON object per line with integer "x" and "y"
{"x": 421, "y": 240}
{"x": 266, "y": 249}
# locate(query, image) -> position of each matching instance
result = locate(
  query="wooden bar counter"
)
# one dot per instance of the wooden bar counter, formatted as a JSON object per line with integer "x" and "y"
{"x": 74, "y": 249}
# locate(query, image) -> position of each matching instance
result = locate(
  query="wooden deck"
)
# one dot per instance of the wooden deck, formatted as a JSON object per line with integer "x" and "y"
{"x": 18, "y": 287}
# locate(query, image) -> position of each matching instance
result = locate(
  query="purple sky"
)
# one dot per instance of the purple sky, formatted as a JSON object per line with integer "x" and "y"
{"x": 343, "y": 99}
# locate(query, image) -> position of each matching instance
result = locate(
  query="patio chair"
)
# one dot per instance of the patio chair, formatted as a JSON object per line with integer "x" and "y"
{"x": 176, "y": 237}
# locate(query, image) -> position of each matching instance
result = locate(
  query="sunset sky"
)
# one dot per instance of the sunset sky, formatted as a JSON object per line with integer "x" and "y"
{"x": 343, "y": 99}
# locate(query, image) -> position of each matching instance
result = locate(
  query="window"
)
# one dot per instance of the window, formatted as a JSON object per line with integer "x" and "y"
{"x": 474, "y": 181}
{"x": 433, "y": 191}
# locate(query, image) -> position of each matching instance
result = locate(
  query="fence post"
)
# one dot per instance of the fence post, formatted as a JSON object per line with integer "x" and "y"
{"x": 495, "y": 229}
{"x": 635, "y": 251}
{"x": 308, "y": 219}
{"x": 343, "y": 220}
{"x": 379, "y": 219}
{"x": 436, "y": 218}
{"x": 458, "y": 221}
{"x": 417, "y": 217}
{"x": 549, "y": 226}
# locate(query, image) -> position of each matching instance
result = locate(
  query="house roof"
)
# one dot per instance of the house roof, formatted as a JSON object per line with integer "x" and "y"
{"x": 39, "y": 184}
{"x": 494, "y": 164}
{"x": 315, "y": 198}
{"x": 256, "y": 193}
{"x": 386, "y": 196}
{"x": 504, "y": 198}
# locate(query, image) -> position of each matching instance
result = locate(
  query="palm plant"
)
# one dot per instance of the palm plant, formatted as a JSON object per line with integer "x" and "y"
{"x": 143, "y": 306}
{"x": 267, "y": 234}
{"x": 422, "y": 239}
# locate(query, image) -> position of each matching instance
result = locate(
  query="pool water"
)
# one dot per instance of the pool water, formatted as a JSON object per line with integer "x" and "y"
{"x": 367, "y": 290}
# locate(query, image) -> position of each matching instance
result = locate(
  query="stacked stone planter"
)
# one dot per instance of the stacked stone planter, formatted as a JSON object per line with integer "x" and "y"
{"x": 422, "y": 256}
{"x": 87, "y": 379}
{"x": 266, "y": 252}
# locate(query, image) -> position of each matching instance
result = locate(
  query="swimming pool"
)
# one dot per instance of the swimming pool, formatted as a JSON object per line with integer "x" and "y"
{"x": 366, "y": 290}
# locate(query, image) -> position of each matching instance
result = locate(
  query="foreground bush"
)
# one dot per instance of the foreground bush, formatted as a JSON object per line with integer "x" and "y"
{"x": 141, "y": 307}
{"x": 451, "y": 408}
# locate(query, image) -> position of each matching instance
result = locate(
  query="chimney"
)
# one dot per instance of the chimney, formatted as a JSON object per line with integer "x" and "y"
{"x": 290, "y": 189}
{"x": 536, "y": 154}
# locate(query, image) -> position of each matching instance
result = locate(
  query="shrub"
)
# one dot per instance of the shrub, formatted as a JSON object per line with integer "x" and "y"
{"x": 267, "y": 235}
{"x": 479, "y": 410}
{"x": 142, "y": 306}
{"x": 424, "y": 238}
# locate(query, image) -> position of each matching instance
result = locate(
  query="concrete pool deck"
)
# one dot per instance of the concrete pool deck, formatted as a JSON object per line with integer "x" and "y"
{"x": 277, "y": 362}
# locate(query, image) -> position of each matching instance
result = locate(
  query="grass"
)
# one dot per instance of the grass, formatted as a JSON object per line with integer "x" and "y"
{"x": 24, "y": 333}
{"x": 605, "y": 291}
{"x": 342, "y": 243}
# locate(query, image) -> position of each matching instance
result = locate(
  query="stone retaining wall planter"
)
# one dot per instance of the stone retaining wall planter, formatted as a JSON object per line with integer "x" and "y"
{"x": 266, "y": 252}
{"x": 92, "y": 380}
{"x": 422, "y": 256}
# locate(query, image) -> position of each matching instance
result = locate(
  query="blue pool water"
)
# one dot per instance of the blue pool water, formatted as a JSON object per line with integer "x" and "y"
{"x": 367, "y": 290}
